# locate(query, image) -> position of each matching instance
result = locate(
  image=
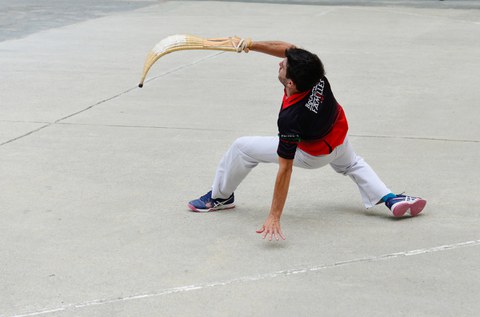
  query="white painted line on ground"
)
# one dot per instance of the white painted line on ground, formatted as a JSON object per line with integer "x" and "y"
{"x": 271, "y": 275}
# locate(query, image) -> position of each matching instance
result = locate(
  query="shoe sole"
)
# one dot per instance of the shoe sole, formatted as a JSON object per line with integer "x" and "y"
{"x": 415, "y": 207}
{"x": 228, "y": 206}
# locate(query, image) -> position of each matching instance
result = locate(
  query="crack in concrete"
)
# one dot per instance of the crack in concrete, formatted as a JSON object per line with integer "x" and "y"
{"x": 58, "y": 121}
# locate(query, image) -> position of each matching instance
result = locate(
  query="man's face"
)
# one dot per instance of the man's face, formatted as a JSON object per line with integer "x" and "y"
{"x": 282, "y": 72}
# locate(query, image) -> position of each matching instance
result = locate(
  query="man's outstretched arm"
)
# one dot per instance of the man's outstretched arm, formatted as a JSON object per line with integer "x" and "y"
{"x": 272, "y": 227}
{"x": 275, "y": 48}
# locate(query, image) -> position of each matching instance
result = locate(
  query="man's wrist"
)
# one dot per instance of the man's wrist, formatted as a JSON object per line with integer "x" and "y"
{"x": 275, "y": 214}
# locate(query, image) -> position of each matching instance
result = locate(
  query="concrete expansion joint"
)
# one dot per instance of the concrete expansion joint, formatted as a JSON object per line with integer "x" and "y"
{"x": 253, "y": 278}
{"x": 58, "y": 121}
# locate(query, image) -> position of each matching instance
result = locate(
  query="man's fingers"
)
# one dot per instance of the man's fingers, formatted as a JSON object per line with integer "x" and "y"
{"x": 265, "y": 234}
{"x": 280, "y": 235}
{"x": 271, "y": 233}
{"x": 263, "y": 231}
{"x": 260, "y": 230}
{"x": 275, "y": 234}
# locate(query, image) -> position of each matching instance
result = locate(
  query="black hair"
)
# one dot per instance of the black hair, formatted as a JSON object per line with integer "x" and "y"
{"x": 303, "y": 68}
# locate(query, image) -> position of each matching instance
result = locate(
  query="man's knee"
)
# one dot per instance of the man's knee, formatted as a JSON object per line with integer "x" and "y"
{"x": 346, "y": 167}
{"x": 241, "y": 143}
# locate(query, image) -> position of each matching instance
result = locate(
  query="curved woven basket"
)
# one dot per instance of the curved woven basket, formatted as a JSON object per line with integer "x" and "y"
{"x": 181, "y": 42}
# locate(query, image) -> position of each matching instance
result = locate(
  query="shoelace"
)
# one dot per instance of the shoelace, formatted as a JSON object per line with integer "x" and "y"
{"x": 409, "y": 198}
{"x": 207, "y": 197}
{"x": 403, "y": 197}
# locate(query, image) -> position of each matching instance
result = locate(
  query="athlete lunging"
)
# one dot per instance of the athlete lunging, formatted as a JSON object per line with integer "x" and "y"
{"x": 312, "y": 132}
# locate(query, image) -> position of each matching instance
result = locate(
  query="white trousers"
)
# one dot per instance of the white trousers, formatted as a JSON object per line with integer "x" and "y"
{"x": 246, "y": 152}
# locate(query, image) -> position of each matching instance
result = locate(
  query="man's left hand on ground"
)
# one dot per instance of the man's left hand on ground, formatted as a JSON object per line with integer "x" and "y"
{"x": 271, "y": 228}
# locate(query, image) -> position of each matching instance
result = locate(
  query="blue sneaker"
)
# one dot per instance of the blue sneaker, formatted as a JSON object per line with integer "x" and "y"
{"x": 206, "y": 203}
{"x": 400, "y": 204}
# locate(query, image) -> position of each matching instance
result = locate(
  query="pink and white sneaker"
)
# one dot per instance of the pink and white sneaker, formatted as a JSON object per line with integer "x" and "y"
{"x": 401, "y": 204}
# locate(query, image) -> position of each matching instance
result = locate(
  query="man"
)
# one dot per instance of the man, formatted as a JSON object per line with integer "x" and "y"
{"x": 312, "y": 133}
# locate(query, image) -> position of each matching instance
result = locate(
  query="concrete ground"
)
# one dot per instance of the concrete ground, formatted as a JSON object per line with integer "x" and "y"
{"x": 95, "y": 173}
